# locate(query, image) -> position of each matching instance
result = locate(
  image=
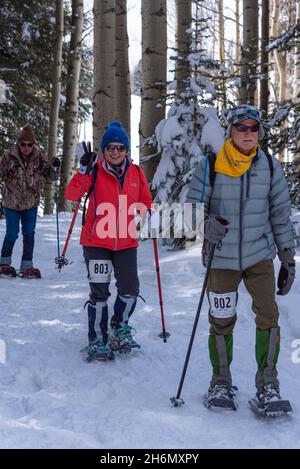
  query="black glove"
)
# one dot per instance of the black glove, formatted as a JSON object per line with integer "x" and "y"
{"x": 86, "y": 157}
{"x": 287, "y": 271}
{"x": 56, "y": 162}
{"x": 215, "y": 228}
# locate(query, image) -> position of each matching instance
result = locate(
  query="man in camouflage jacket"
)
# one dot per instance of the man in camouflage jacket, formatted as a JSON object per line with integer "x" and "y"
{"x": 21, "y": 168}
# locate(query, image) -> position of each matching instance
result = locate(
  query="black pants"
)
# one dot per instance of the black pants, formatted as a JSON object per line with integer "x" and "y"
{"x": 100, "y": 262}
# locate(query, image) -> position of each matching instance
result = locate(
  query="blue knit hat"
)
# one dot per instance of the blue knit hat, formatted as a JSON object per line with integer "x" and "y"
{"x": 240, "y": 113}
{"x": 115, "y": 133}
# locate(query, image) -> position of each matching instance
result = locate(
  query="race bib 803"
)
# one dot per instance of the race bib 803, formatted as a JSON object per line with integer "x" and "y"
{"x": 100, "y": 271}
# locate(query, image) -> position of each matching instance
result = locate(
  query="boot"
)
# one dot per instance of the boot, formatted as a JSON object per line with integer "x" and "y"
{"x": 123, "y": 309}
{"x": 5, "y": 260}
{"x": 121, "y": 337}
{"x": 98, "y": 349}
{"x": 268, "y": 401}
{"x": 7, "y": 271}
{"x": 25, "y": 265}
{"x": 221, "y": 393}
{"x": 267, "y": 349}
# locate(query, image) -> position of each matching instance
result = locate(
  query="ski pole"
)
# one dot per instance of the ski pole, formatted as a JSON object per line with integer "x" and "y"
{"x": 56, "y": 208}
{"x": 62, "y": 260}
{"x": 177, "y": 400}
{"x": 163, "y": 334}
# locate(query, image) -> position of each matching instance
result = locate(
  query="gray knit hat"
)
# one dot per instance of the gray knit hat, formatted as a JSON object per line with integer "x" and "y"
{"x": 240, "y": 113}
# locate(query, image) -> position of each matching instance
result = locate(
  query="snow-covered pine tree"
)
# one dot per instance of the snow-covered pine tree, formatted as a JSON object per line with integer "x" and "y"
{"x": 190, "y": 130}
{"x": 27, "y": 31}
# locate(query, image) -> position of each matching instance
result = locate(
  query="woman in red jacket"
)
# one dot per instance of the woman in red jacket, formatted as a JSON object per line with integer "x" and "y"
{"x": 118, "y": 189}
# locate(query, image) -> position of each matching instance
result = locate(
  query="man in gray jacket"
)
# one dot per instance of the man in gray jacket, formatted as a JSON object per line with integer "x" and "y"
{"x": 251, "y": 193}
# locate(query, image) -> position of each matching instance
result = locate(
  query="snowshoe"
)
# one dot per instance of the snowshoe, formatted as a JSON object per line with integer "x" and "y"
{"x": 31, "y": 272}
{"x": 7, "y": 271}
{"x": 221, "y": 396}
{"x": 121, "y": 339}
{"x": 269, "y": 403}
{"x": 96, "y": 350}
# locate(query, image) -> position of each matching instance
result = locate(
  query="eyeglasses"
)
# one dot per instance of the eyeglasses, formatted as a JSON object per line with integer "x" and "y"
{"x": 112, "y": 148}
{"x": 24, "y": 144}
{"x": 244, "y": 128}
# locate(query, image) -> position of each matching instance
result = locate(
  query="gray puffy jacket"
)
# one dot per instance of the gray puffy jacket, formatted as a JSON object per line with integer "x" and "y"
{"x": 257, "y": 209}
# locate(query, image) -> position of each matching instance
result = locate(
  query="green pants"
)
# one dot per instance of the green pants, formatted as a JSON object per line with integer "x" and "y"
{"x": 259, "y": 281}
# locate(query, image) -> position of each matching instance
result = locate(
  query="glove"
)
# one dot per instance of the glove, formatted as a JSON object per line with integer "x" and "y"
{"x": 287, "y": 271}
{"x": 86, "y": 157}
{"x": 215, "y": 228}
{"x": 56, "y": 162}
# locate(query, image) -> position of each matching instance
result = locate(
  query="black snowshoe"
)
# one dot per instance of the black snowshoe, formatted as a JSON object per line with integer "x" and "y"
{"x": 221, "y": 396}
{"x": 7, "y": 271}
{"x": 30, "y": 273}
{"x": 269, "y": 403}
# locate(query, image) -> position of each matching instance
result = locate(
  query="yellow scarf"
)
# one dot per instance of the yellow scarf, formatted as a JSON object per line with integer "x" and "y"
{"x": 231, "y": 162}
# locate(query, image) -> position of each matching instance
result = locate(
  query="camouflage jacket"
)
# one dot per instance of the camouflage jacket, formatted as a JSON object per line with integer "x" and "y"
{"x": 21, "y": 178}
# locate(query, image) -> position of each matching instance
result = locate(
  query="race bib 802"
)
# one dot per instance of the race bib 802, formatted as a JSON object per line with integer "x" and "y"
{"x": 223, "y": 305}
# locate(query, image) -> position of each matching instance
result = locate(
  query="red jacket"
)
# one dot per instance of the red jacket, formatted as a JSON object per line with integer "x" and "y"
{"x": 112, "y": 225}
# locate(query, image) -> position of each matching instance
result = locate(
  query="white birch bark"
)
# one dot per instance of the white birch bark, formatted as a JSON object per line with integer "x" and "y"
{"x": 154, "y": 70}
{"x": 55, "y": 100}
{"x": 72, "y": 100}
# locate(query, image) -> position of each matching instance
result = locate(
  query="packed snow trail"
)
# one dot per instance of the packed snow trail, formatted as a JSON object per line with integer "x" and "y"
{"x": 51, "y": 398}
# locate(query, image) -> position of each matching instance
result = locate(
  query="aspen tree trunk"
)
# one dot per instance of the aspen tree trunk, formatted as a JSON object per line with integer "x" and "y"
{"x": 72, "y": 99}
{"x": 123, "y": 88}
{"x": 237, "y": 35}
{"x": 55, "y": 100}
{"x": 183, "y": 42}
{"x": 296, "y": 87}
{"x": 222, "y": 49}
{"x": 280, "y": 56}
{"x": 154, "y": 71}
{"x": 104, "y": 102}
{"x": 264, "y": 83}
{"x": 249, "y": 51}
{"x": 281, "y": 64}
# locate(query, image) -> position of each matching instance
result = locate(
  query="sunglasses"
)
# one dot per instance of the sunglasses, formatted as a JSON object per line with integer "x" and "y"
{"x": 244, "y": 128}
{"x": 29, "y": 145}
{"x": 112, "y": 148}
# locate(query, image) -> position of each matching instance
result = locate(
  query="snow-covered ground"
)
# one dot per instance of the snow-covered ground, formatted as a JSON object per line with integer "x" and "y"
{"x": 51, "y": 398}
